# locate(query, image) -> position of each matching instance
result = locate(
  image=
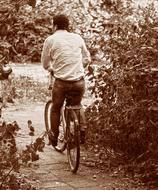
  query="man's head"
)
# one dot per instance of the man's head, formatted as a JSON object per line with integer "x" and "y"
{"x": 61, "y": 22}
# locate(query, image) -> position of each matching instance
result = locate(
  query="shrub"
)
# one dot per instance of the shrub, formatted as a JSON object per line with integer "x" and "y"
{"x": 123, "y": 121}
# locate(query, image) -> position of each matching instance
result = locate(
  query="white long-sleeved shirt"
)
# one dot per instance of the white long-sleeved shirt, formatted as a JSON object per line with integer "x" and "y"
{"x": 65, "y": 52}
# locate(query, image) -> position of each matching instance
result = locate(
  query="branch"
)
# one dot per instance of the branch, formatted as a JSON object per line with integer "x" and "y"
{"x": 6, "y": 176}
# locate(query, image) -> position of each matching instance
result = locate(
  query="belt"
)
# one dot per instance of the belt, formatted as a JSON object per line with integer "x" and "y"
{"x": 76, "y": 80}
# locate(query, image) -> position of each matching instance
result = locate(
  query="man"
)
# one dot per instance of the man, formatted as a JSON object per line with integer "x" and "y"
{"x": 65, "y": 54}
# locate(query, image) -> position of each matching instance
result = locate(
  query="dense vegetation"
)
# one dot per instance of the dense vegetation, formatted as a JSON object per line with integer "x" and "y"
{"x": 124, "y": 124}
{"x": 123, "y": 41}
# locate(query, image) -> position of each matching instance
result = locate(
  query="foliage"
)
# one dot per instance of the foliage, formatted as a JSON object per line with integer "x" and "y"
{"x": 10, "y": 28}
{"x": 22, "y": 36}
{"x": 18, "y": 89}
{"x": 31, "y": 90}
{"x": 10, "y": 177}
{"x": 123, "y": 120}
{"x": 11, "y": 158}
{"x": 25, "y": 30}
{"x": 24, "y": 87}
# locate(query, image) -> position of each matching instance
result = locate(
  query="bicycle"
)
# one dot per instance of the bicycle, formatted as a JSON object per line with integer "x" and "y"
{"x": 69, "y": 130}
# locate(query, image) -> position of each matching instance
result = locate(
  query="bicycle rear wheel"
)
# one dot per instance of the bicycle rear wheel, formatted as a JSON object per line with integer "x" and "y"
{"x": 61, "y": 145}
{"x": 73, "y": 140}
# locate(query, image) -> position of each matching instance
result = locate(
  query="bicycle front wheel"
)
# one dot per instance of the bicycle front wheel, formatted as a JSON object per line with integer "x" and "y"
{"x": 73, "y": 140}
{"x": 61, "y": 144}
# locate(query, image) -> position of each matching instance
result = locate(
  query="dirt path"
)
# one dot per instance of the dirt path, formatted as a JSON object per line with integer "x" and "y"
{"x": 51, "y": 171}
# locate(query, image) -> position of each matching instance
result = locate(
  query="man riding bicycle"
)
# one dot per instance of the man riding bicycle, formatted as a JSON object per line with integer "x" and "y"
{"x": 65, "y": 55}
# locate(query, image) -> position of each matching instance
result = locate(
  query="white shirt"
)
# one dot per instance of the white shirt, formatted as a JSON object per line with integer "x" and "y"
{"x": 65, "y": 52}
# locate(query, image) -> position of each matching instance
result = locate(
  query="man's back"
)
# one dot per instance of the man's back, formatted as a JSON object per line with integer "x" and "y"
{"x": 67, "y": 51}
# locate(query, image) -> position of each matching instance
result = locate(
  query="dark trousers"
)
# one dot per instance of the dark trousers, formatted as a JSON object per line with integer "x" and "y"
{"x": 60, "y": 90}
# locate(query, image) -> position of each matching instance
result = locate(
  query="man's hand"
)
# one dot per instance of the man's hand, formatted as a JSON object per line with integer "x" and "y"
{"x": 86, "y": 62}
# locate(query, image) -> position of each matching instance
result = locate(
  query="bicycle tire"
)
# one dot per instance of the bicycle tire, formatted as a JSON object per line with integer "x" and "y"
{"x": 73, "y": 140}
{"x": 47, "y": 115}
{"x": 61, "y": 144}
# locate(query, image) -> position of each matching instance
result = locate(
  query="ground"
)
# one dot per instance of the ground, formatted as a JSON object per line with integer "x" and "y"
{"x": 51, "y": 171}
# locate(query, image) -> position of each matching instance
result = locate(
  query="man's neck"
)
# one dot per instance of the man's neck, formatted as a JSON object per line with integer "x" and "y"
{"x": 61, "y": 30}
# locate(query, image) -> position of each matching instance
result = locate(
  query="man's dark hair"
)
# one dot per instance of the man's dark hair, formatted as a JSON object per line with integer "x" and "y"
{"x": 61, "y": 21}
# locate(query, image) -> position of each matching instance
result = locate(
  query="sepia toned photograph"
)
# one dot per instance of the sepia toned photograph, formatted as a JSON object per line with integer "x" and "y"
{"x": 78, "y": 94}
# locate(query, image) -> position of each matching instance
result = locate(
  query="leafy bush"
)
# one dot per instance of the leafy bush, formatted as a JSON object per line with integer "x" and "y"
{"x": 25, "y": 87}
{"x": 11, "y": 158}
{"x": 123, "y": 119}
{"x": 19, "y": 88}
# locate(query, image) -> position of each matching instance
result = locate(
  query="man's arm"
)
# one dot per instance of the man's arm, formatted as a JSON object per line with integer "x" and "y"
{"x": 85, "y": 54}
{"x": 45, "y": 56}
